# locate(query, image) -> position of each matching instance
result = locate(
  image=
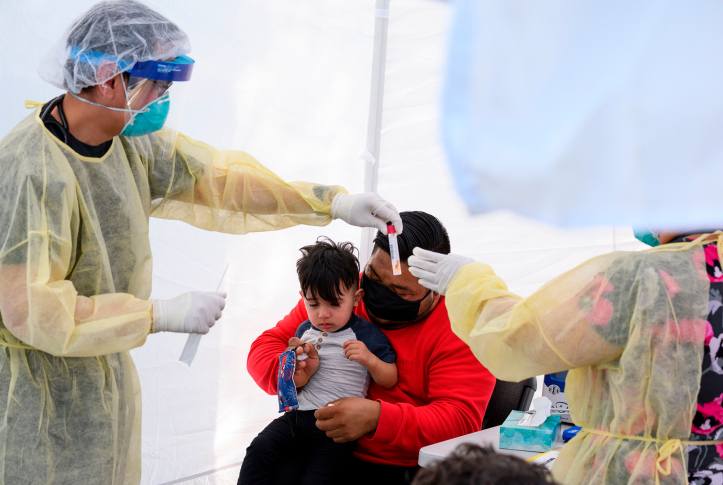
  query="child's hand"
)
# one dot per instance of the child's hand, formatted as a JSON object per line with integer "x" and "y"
{"x": 304, "y": 368}
{"x": 295, "y": 342}
{"x": 358, "y": 352}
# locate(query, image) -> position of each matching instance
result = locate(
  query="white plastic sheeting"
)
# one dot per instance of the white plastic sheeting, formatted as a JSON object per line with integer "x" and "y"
{"x": 585, "y": 112}
{"x": 287, "y": 81}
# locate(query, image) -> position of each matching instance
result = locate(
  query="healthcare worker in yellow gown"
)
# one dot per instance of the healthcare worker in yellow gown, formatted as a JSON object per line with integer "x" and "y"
{"x": 81, "y": 175}
{"x": 631, "y": 326}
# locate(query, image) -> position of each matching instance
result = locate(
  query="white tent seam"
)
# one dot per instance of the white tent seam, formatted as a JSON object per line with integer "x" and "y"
{"x": 199, "y": 475}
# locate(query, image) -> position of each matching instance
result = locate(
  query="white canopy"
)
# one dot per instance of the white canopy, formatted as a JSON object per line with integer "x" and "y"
{"x": 288, "y": 82}
{"x": 586, "y": 112}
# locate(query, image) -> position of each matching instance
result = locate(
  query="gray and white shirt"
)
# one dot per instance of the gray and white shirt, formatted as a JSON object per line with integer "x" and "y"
{"x": 337, "y": 376}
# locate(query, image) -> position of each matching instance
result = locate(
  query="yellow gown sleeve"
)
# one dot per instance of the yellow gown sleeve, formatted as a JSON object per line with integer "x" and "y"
{"x": 39, "y": 307}
{"x": 230, "y": 191}
{"x": 555, "y": 329}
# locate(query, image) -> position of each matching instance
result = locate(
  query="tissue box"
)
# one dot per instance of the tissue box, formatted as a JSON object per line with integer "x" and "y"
{"x": 528, "y": 438}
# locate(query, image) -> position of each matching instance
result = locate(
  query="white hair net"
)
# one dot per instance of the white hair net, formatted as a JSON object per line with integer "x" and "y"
{"x": 115, "y": 35}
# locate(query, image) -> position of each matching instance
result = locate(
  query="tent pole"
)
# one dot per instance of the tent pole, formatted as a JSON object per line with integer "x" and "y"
{"x": 374, "y": 122}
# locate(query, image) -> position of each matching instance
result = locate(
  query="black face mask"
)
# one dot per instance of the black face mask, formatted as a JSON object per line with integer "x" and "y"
{"x": 387, "y": 305}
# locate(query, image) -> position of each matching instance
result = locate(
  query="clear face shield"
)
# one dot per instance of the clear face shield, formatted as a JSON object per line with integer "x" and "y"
{"x": 156, "y": 94}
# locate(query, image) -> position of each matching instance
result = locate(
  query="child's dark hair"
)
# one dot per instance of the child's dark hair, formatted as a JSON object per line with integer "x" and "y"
{"x": 473, "y": 465}
{"x": 327, "y": 268}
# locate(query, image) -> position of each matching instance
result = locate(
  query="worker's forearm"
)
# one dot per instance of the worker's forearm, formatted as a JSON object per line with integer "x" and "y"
{"x": 103, "y": 324}
{"x": 239, "y": 192}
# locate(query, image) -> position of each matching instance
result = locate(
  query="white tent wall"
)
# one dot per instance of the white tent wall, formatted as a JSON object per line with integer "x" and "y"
{"x": 287, "y": 81}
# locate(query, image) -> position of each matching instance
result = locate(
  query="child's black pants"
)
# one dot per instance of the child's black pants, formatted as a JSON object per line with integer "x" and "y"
{"x": 274, "y": 456}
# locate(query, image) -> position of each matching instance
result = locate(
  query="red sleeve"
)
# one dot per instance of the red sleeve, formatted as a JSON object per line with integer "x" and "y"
{"x": 263, "y": 359}
{"x": 459, "y": 391}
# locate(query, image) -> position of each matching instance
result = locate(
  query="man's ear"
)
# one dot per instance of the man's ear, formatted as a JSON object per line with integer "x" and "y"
{"x": 111, "y": 84}
{"x": 106, "y": 71}
{"x": 358, "y": 296}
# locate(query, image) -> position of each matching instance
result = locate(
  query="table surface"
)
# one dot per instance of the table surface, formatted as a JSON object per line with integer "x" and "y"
{"x": 488, "y": 437}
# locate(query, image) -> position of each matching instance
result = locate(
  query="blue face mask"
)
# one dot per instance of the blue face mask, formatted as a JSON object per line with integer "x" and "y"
{"x": 151, "y": 120}
{"x": 645, "y": 235}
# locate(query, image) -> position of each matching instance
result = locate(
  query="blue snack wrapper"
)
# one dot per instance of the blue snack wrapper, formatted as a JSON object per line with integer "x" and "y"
{"x": 530, "y": 438}
{"x": 285, "y": 387}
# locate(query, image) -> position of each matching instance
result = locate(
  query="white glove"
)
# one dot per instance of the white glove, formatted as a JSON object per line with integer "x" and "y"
{"x": 434, "y": 270}
{"x": 194, "y": 312}
{"x": 366, "y": 209}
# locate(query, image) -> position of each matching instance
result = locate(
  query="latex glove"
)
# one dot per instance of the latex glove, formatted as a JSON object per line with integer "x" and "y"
{"x": 194, "y": 312}
{"x": 434, "y": 270}
{"x": 366, "y": 209}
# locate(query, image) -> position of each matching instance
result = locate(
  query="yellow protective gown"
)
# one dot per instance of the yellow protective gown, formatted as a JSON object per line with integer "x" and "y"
{"x": 631, "y": 327}
{"x": 75, "y": 278}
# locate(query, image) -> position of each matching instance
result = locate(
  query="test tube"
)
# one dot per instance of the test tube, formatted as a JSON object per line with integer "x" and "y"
{"x": 394, "y": 249}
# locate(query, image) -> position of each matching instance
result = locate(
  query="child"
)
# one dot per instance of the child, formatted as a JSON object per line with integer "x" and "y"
{"x": 343, "y": 352}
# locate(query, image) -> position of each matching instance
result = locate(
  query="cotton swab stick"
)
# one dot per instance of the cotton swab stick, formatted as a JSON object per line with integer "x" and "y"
{"x": 189, "y": 351}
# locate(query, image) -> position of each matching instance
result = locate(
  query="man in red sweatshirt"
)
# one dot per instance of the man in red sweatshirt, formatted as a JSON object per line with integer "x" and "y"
{"x": 442, "y": 390}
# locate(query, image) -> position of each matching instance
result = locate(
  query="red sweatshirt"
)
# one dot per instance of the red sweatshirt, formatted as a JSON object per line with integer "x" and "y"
{"x": 442, "y": 391}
